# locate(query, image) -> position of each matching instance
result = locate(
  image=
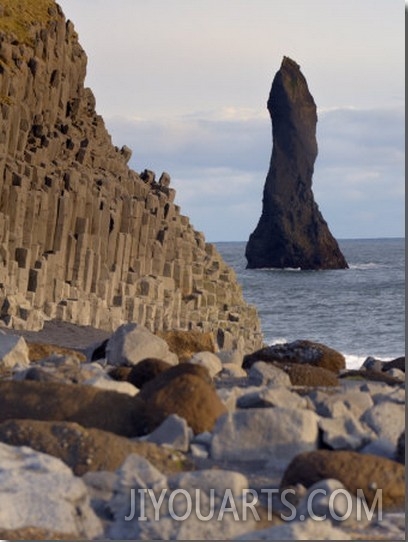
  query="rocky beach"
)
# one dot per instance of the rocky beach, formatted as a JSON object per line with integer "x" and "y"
{"x": 133, "y": 435}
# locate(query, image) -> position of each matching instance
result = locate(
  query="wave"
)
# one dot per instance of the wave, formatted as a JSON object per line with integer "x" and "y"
{"x": 364, "y": 266}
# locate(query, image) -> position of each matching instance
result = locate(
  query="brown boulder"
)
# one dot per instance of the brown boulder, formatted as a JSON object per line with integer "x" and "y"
{"x": 301, "y": 352}
{"x": 146, "y": 370}
{"x": 89, "y": 406}
{"x": 185, "y": 390}
{"x": 353, "y": 470}
{"x": 84, "y": 449}
{"x": 187, "y": 343}
{"x": 309, "y": 375}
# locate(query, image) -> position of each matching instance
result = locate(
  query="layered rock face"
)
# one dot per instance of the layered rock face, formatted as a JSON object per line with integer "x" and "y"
{"x": 291, "y": 231}
{"x": 83, "y": 238}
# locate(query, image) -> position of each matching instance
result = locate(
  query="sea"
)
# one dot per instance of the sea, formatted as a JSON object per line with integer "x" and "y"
{"x": 358, "y": 311}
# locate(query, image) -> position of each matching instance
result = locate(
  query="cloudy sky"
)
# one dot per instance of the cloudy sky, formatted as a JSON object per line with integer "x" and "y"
{"x": 184, "y": 83}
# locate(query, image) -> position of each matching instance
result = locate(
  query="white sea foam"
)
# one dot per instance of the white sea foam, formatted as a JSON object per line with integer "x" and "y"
{"x": 364, "y": 266}
{"x": 354, "y": 361}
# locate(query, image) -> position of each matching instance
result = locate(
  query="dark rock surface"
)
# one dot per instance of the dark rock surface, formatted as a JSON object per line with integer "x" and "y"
{"x": 291, "y": 231}
{"x": 301, "y": 351}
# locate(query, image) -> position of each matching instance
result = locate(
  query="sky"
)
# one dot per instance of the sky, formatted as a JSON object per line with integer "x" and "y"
{"x": 184, "y": 84}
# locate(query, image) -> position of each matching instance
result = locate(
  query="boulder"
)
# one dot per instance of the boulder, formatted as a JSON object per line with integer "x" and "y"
{"x": 88, "y": 406}
{"x": 310, "y": 376}
{"x": 298, "y": 530}
{"x": 345, "y": 432}
{"x": 379, "y": 365}
{"x": 262, "y": 373}
{"x": 131, "y": 343}
{"x": 291, "y": 232}
{"x": 275, "y": 396}
{"x": 83, "y": 449}
{"x": 332, "y": 405}
{"x": 397, "y": 363}
{"x": 273, "y": 434}
{"x": 185, "y": 390}
{"x": 146, "y": 370}
{"x": 40, "y": 491}
{"x": 187, "y": 343}
{"x": 208, "y": 360}
{"x": 13, "y": 351}
{"x": 387, "y": 419}
{"x": 302, "y": 352}
{"x": 354, "y": 470}
{"x": 172, "y": 433}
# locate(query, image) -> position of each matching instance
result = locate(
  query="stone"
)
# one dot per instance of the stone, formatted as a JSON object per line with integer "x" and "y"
{"x": 310, "y": 376}
{"x": 185, "y": 390}
{"x": 272, "y": 396}
{"x": 88, "y": 406}
{"x": 387, "y": 419}
{"x": 84, "y": 449}
{"x": 345, "y": 433}
{"x": 354, "y": 470}
{"x": 397, "y": 363}
{"x": 208, "y": 360}
{"x": 274, "y": 434}
{"x": 131, "y": 343}
{"x": 330, "y": 499}
{"x": 187, "y": 343}
{"x": 301, "y": 352}
{"x": 13, "y": 351}
{"x": 334, "y": 405}
{"x": 291, "y": 232}
{"x": 173, "y": 433}
{"x": 37, "y": 490}
{"x": 234, "y": 356}
{"x": 172, "y": 494}
{"x": 146, "y": 370}
{"x": 262, "y": 373}
{"x": 298, "y": 530}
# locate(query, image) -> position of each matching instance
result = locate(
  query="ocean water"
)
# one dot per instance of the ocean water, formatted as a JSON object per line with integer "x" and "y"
{"x": 358, "y": 311}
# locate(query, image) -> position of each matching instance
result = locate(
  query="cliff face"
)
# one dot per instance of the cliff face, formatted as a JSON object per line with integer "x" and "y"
{"x": 83, "y": 238}
{"x": 291, "y": 231}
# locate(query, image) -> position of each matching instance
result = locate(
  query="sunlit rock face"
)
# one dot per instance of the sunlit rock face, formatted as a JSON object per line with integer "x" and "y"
{"x": 291, "y": 232}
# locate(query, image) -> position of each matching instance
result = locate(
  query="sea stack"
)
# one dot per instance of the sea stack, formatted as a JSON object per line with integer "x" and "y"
{"x": 291, "y": 232}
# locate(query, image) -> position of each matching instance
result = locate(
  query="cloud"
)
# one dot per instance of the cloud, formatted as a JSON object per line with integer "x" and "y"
{"x": 218, "y": 161}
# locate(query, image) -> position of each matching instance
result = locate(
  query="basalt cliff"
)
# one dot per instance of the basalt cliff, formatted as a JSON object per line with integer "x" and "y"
{"x": 291, "y": 232}
{"x": 83, "y": 237}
